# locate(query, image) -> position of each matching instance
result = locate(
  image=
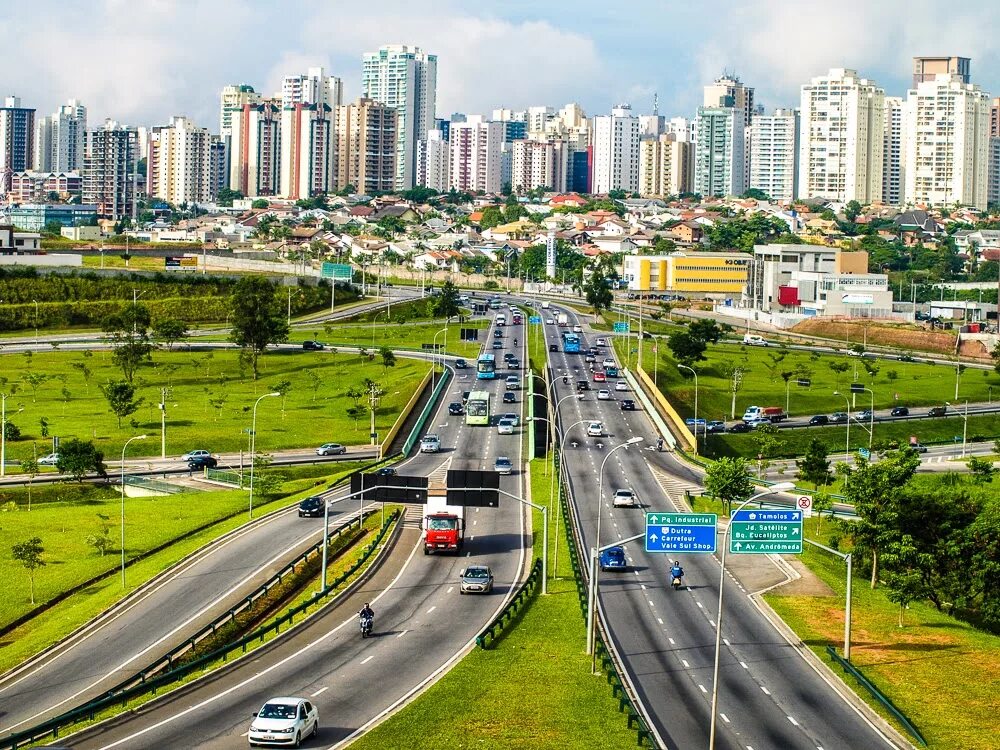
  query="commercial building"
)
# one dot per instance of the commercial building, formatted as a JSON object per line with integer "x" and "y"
{"x": 947, "y": 125}
{"x": 34, "y": 217}
{"x": 60, "y": 139}
{"x": 537, "y": 164}
{"x": 892, "y": 152}
{"x": 664, "y": 166}
{"x": 476, "y": 155}
{"x": 434, "y": 162}
{"x": 366, "y": 147}
{"x": 109, "y": 170}
{"x": 255, "y": 149}
{"x": 181, "y": 166}
{"x": 841, "y": 138}
{"x": 774, "y": 154}
{"x": 308, "y": 150}
{"x": 719, "y": 156}
{"x": 404, "y": 78}
{"x": 716, "y": 275}
{"x": 927, "y": 68}
{"x": 17, "y": 140}
{"x": 616, "y": 151}
{"x": 35, "y": 187}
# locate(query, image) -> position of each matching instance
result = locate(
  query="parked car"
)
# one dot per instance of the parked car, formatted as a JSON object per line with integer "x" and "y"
{"x": 456, "y": 409}
{"x": 900, "y": 411}
{"x": 740, "y": 427}
{"x": 202, "y": 462}
{"x": 595, "y": 429}
{"x": 604, "y": 395}
{"x": 50, "y": 460}
{"x": 430, "y": 444}
{"x": 627, "y": 404}
{"x": 312, "y": 507}
{"x": 509, "y": 397}
{"x": 476, "y": 579}
{"x": 194, "y": 454}
{"x": 312, "y": 346}
{"x": 621, "y": 385}
{"x": 839, "y": 417}
{"x": 715, "y": 425}
{"x": 503, "y": 465}
{"x": 624, "y": 498}
{"x": 613, "y": 558}
{"x": 819, "y": 419}
{"x": 505, "y": 427}
{"x": 461, "y": 364}
{"x": 284, "y": 721}
{"x": 331, "y": 449}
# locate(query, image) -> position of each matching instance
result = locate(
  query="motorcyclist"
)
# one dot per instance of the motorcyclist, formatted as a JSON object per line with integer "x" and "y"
{"x": 676, "y": 572}
{"x": 515, "y": 342}
{"x": 367, "y": 611}
{"x": 659, "y": 444}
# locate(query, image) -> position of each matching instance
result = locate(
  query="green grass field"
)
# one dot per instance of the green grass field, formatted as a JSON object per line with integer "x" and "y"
{"x": 397, "y": 336}
{"x": 209, "y": 400}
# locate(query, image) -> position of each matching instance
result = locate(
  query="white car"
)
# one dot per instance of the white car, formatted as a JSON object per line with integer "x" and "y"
{"x": 621, "y": 385}
{"x": 603, "y": 395}
{"x": 430, "y": 444}
{"x": 505, "y": 427}
{"x": 577, "y": 329}
{"x": 550, "y": 322}
{"x": 512, "y": 417}
{"x": 195, "y": 455}
{"x": 284, "y": 721}
{"x": 601, "y": 342}
{"x": 608, "y": 362}
{"x": 595, "y": 429}
{"x": 331, "y": 449}
{"x": 624, "y": 498}
{"x": 50, "y": 460}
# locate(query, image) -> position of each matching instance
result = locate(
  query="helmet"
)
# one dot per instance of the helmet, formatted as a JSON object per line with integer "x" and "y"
{"x": 676, "y": 562}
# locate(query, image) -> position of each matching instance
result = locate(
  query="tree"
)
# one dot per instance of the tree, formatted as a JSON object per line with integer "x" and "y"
{"x": 388, "y": 358}
{"x": 29, "y": 554}
{"x": 78, "y": 458}
{"x": 34, "y": 379}
{"x": 814, "y": 466}
{"x": 84, "y": 371}
{"x": 839, "y": 368}
{"x": 765, "y": 439}
{"x": 756, "y": 194}
{"x": 226, "y": 196}
{"x": 170, "y": 331}
{"x": 128, "y": 331}
{"x": 11, "y": 431}
{"x": 121, "y": 398}
{"x": 446, "y": 303}
{"x": 260, "y": 203}
{"x": 728, "y": 480}
{"x": 852, "y": 210}
{"x": 257, "y": 319}
{"x": 597, "y": 291}
{"x": 102, "y": 541}
{"x": 982, "y": 470}
{"x": 282, "y": 387}
{"x": 822, "y": 502}
{"x": 687, "y": 349}
{"x": 29, "y": 467}
{"x": 315, "y": 381}
{"x": 356, "y": 412}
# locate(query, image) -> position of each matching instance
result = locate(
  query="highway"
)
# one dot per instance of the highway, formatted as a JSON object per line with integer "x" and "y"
{"x": 770, "y": 697}
{"x": 421, "y": 621}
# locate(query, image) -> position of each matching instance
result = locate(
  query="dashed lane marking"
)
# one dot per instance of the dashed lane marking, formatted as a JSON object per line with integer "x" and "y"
{"x": 367, "y": 659}
{"x": 724, "y": 718}
{"x": 431, "y": 609}
{"x": 702, "y": 688}
{"x": 766, "y": 691}
{"x": 792, "y": 719}
{"x": 401, "y": 635}
{"x": 318, "y": 692}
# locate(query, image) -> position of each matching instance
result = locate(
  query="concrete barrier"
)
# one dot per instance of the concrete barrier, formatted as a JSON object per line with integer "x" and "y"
{"x": 666, "y": 410}
{"x": 403, "y": 415}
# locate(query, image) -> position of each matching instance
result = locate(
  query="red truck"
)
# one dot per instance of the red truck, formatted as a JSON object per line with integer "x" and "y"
{"x": 774, "y": 413}
{"x": 443, "y": 526}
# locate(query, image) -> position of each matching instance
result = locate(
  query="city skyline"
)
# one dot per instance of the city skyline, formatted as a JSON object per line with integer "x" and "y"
{"x": 513, "y": 57}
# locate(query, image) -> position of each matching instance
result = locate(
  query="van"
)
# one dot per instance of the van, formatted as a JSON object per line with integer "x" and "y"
{"x": 753, "y": 340}
{"x": 937, "y": 411}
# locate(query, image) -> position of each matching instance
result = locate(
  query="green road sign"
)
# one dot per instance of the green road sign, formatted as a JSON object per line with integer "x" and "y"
{"x": 338, "y": 271}
{"x": 763, "y": 532}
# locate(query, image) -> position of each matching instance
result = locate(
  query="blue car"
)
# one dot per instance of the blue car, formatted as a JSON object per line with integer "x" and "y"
{"x": 613, "y": 558}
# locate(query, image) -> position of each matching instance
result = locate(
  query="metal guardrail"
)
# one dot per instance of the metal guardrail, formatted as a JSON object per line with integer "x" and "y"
{"x": 524, "y": 592}
{"x": 89, "y": 711}
{"x": 877, "y": 694}
{"x": 428, "y": 409}
{"x": 156, "y": 485}
{"x": 235, "y": 478}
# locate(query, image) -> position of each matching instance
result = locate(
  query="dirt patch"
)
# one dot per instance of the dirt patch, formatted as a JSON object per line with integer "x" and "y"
{"x": 902, "y": 336}
{"x": 808, "y": 585}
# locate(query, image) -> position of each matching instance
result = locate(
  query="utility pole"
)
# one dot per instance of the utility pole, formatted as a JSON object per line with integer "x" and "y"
{"x": 163, "y": 423}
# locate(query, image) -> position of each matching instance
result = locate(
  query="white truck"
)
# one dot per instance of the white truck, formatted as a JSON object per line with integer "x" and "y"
{"x": 443, "y": 526}
{"x": 545, "y": 304}
{"x": 562, "y": 319}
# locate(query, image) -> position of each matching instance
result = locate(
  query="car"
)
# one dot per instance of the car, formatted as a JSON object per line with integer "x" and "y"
{"x": 937, "y": 411}
{"x": 514, "y": 364}
{"x": 283, "y": 721}
{"x": 476, "y": 579}
{"x": 508, "y": 356}
{"x": 553, "y": 347}
{"x": 865, "y": 415}
{"x": 430, "y": 444}
{"x": 498, "y": 333}
{"x": 549, "y": 322}
{"x": 312, "y": 346}
{"x": 503, "y": 465}
{"x": 509, "y": 397}
{"x": 456, "y": 409}
{"x": 50, "y": 460}
{"x": 331, "y": 449}
{"x": 715, "y": 425}
{"x": 497, "y": 344}
{"x": 312, "y": 507}
{"x": 899, "y": 411}
{"x": 593, "y": 350}
{"x": 624, "y": 498}
{"x": 613, "y": 558}
{"x": 608, "y": 362}
{"x": 461, "y": 364}
{"x": 512, "y": 417}
{"x": 839, "y": 417}
{"x": 386, "y": 471}
{"x": 600, "y": 377}
{"x": 621, "y": 385}
{"x": 627, "y": 404}
{"x": 512, "y": 383}
{"x": 758, "y": 421}
{"x": 604, "y": 395}
{"x": 595, "y": 429}
{"x": 918, "y": 447}
{"x": 601, "y": 342}
{"x": 582, "y": 385}
{"x": 589, "y": 358}
{"x": 202, "y": 462}
{"x": 577, "y": 329}
{"x": 819, "y": 419}
{"x": 505, "y": 427}
{"x": 194, "y": 454}
{"x": 739, "y": 427}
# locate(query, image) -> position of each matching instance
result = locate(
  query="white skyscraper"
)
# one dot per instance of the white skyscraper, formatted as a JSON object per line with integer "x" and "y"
{"x": 476, "y": 155}
{"x": 841, "y": 138}
{"x": 946, "y": 125}
{"x": 720, "y": 155}
{"x": 180, "y": 164}
{"x": 404, "y": 78}
{"x": 315, "y": 87}
{"x": 892, "y": 152}
{"x": 616, "y": 151}
{"x": 774, "y": 158}
{"x": 434, "y": 162}
{"x": 60, "y": 139}
{"x": 231, "y": 102}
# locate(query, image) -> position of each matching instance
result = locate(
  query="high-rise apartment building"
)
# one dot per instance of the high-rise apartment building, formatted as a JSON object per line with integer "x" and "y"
{"x": 995, "y": 118}
{"x": 109, "y": 175}
{"x": 927, "y": 68}
{"x": 60, "y": 139}
{"x": 993, "y": 174}
{"x": 616, "y": 151}
{"x": 231, "y": 103}
{"x": 537, "y": 164}
{"x": 255, "y": 149}
{"x": 17, "y": 140}
{"x": 313, "y": 87}
{"x": 664, "y": 166}
{"x": 720, "y": 152}
{"x": 308, "y": 150}
{"x": 841, "y": 136}
{"x": 434, "y": 162}
{"x": 366, "y": 147}
{"x": 404, "y": 78}
{"x": 728, "y": 91}
{"x": 774, "y": 154}
{"x": 476, "y": 154}
{"x": 892, "y": 152}
{"x": 681, "y": 128}
{"x": 947, "y": 130}
{"x": 182, "y": 166}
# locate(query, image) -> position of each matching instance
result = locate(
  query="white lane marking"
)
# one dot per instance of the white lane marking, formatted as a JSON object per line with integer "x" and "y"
{"x": 744, "y": 665}
{"x": 432, "y": 609}
{"x": 636, "y": 572}
{"x": 699, "y": 605}
{"x": 686, "y": 665}
{"x": 651, "y": 603}
{"x": 724, "y": 718}
{"x": 792, "y": 719}
{"x": 659, "y": 620}
{"x": 702, "y": 688}
{"x": 766, "y": 691}
{"x": 403, "y": 633}
{"x": 749, "y": 747}
{"x": 672, "y": 643}
{"x": 318, "y": 692}
{"x": 712, "y": 623}
{"x": 367, "y": 659}
{"x": 450, "y": 589}
{"x": 724, "y": 640}
{"x": 643, "y": 586}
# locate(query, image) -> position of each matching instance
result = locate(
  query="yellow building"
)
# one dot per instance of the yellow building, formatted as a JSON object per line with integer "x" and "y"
{"x": 686, "y": 273}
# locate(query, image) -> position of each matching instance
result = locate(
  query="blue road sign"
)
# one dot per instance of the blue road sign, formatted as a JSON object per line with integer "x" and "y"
{"x": 680, "y": 532}
{"x": 534, "y": 319}
{"x": 765, "y": 532}
{"x": 621, "y": 327}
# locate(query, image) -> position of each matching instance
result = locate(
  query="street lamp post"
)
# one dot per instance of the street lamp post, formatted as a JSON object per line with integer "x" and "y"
{"x": 374, "y": 317}
{"x": 591, "y": 618}
{"x": 693, "y": 372}
{"x": 779, "y": 487}
{"x": 847, "y": 403}
{"x": 253, "y": 443}
{"x": 965, "y": 425}
{"x": 871, "y": 418}
{"x": 36, "y": 321}
{"x": 434, "y": 356}
{"x": 136, "y": 437}
{"x": 552, "y": 479}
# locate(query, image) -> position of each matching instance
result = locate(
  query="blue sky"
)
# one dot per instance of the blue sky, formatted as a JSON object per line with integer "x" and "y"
{"x": 140, "y": 61}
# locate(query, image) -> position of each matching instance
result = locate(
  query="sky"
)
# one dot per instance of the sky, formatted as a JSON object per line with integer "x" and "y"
{"x": 141, "y": 61}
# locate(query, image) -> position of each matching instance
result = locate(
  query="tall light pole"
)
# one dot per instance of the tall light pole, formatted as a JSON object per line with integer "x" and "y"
{"x": 434, "y": 356}
{"x": 374, "y": 317}
{"x": 136, "y": 437}
{"x": 847, "y": 403}
{"x": 693, "y": 372}
{"x": 36, "y": 329}
{"x": 871, "y": 417}
{"x": 552, "y": 479}
{"x": 779, "y": 487}
{"x": 965, "y": 425}
{"x": 253, "y": 443}
{"x": 591, "y": 618}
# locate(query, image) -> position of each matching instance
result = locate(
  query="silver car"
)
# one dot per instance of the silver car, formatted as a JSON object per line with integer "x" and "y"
{"x": 476, "y": 579}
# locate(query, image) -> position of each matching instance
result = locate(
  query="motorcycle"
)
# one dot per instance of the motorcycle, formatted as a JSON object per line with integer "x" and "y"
{"x": 676, "y": 582}
{"x": 565, "y": 380}
{"x": 367, "y": 622}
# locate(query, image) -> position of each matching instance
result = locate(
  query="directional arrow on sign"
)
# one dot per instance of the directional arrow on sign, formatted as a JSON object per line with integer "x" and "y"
{"x": 739, "y": 545}
{"x": 653, "y": 538}
{"x": 795, "y": 531}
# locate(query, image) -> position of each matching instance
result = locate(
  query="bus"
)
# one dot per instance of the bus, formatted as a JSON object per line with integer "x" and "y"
{"x": 486, "y": 367}
{"x": 477, "y": 409}
{"x": 571, "y": 342}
